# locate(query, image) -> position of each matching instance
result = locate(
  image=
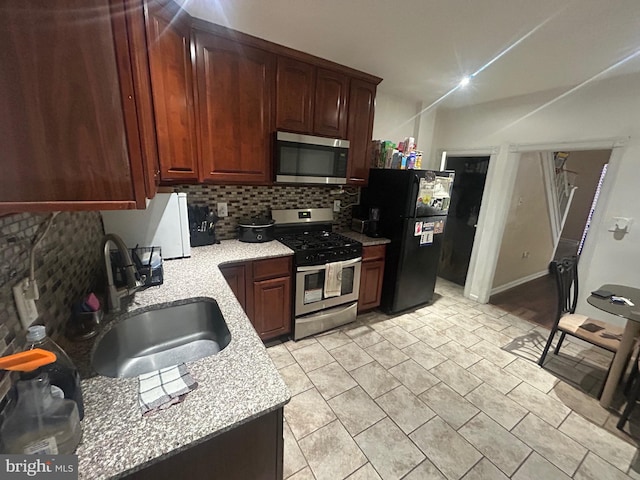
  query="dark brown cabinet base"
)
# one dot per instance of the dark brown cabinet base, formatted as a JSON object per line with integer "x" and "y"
{"x": 371, "y": 277}
{"x": 263, "y": 288}
{"x": 253, "y": 450}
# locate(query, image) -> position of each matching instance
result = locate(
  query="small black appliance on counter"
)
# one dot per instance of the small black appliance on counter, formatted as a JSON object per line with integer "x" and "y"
{"x": 365, "y": 220}
{"x": 202, "y": 225}
{"x": 257, "y": 229}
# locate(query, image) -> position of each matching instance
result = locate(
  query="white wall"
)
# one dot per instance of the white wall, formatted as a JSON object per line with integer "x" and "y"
{"x": 602, "y": 110}
{"x": 425, "y": 134}
{"x": 527, "y": 243}
{"x": 395, "y": 118}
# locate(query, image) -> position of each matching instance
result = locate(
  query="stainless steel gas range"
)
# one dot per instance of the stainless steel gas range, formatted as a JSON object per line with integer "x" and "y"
{"x": 327, "y": 269}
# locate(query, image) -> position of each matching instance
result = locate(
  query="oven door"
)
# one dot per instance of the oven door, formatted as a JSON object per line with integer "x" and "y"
{"x": 310, "y": 287}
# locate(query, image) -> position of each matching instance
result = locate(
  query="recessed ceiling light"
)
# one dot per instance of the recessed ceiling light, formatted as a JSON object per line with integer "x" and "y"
{"x": 465, "y": 81}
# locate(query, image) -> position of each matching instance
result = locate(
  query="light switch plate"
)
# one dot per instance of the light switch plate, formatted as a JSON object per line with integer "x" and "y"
{"x": 336, "y": 205}
{"x": 223, "y": 210}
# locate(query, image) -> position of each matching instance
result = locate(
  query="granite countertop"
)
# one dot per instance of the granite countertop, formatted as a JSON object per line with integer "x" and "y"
{"x": 364, "y": 239}
{"x": 235, "y": 386}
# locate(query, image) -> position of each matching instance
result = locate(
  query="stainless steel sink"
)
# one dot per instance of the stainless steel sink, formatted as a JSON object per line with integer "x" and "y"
{"x": 160, "y": 338}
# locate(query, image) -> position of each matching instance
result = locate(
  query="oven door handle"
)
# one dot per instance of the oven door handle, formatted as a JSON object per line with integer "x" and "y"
{"x": 313, "y": 268}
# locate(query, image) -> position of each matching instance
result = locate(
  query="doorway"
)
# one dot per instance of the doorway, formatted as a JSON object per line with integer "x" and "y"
{"x": 522, "y": 284}
{"x": 462, "y": 221}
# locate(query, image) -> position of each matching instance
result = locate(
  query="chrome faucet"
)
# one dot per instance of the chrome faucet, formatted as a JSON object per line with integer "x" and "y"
{"x": 133, "y": 283}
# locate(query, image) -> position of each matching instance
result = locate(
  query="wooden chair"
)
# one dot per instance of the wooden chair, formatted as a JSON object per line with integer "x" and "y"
{"x": 595, "y": 332}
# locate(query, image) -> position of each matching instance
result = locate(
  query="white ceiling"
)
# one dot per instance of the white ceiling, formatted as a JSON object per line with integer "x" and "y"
{"x": 421, "y": 48}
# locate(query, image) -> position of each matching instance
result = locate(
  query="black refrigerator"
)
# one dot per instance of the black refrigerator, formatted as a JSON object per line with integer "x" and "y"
{"x": 413, "y": 207}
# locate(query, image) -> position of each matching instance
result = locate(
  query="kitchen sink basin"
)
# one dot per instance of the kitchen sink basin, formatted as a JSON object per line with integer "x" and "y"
{"x": 160, "y": 338}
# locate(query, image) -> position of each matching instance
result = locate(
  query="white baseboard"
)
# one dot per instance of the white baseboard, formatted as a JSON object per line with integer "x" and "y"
{"x": 517, "y": 282}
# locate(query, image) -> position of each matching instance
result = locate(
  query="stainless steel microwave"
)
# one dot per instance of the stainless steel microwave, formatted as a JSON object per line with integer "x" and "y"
{"x": 309, "y": 159}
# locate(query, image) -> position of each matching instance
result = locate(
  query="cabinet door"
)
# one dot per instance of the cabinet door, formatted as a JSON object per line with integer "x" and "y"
{"x": 362, "y": 97}
{"x": 295, "y": 84}
{"x": 370, "y": 285}
{"x": 272, "y": 307}
{"x": 235, "y": 275}
{"x": 170, "y": 64}
{"x": 236, "y": 85}
{"x": 68, "y": 122}
{"x": 330, "y": 110}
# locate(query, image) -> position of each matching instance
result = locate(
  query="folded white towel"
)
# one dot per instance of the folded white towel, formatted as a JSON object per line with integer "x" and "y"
{"x": 333, "y": 279}
{"x": 161, "y": 389}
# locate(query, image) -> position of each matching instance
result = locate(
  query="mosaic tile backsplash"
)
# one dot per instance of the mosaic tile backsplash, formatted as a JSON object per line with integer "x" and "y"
{"x": 68, "y": 261}
{"x": 249, "y": 201}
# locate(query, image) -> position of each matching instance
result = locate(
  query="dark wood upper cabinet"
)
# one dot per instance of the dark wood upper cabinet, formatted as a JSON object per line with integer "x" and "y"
{"x": 330, "y": 111}
{"x": 236, "y": 86}
{"x": 69, "y": 123}
{"x": 142, "y": 93}
{"x": 362, "y": 97}
{"x": 102, "y": 99}
{"x": 169, "y": 45}
{"x": 295, "y": 83}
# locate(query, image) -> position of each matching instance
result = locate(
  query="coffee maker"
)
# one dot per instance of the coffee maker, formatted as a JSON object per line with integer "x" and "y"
{"x": 372, "y": 225}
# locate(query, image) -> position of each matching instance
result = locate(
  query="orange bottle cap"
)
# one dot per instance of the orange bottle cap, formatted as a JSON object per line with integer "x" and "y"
{"x": 27, "y": 361}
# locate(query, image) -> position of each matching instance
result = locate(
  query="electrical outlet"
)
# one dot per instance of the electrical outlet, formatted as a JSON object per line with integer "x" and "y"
{"x": 23, "y": 293}
{"x": 336, "y": 205}
{"x": 223, "y": 211}
{"x": 525, "y": 254}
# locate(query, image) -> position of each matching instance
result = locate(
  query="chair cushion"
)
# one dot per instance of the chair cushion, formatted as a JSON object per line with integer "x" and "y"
{"x": 599, "y": 333}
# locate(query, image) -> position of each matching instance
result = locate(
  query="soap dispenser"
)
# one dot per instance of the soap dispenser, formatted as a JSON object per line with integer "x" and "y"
{"x": 39, "y": 423}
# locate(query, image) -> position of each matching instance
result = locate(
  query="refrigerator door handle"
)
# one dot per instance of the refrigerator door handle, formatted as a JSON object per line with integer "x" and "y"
{"x": 416, "y": 180}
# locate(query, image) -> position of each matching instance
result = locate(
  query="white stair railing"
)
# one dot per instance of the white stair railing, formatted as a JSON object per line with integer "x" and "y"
{"x": 560, "y": 190}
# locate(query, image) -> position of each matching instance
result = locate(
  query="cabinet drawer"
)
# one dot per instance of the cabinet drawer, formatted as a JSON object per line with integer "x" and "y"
{"x": 272, "y": 268}
{"x": 374, "y": 252}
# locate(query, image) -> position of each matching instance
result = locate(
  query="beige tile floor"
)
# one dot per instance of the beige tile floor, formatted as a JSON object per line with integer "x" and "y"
{"x": 448, "y": 391}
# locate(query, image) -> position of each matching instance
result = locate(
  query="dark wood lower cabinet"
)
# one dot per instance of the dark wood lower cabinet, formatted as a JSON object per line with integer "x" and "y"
{"x": 264, "y": 289}
{"x": 253, "y": 450}
{"x": 272, "y": 307}
{"x": 373, "y": 258}
{"x": 235, "y": 275}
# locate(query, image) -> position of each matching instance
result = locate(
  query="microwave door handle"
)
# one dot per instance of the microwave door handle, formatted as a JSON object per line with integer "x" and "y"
{"x": 313, "y": 268}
